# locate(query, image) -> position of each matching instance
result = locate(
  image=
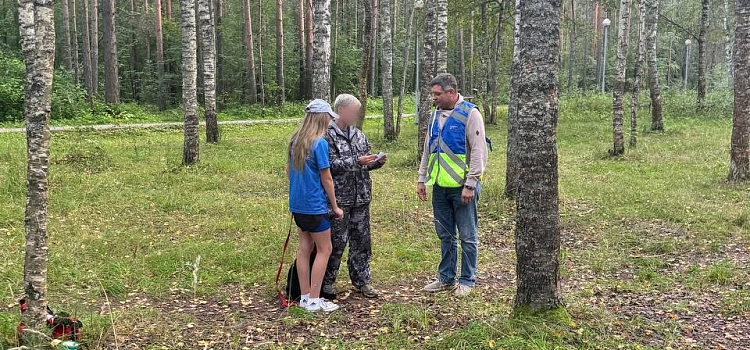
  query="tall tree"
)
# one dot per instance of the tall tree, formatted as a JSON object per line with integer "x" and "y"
{"x": 370, "y": 16}
{"x": 308, "y": 48}
{"x": 702, "y": 54}
{"x": 571, "y": 49}
{"x": 74, "y": 28}
{"x": 461, "y": 60}
{"x": 640, "y": 58}
{"x": 134, "y": 57}
{"x": 66, "y": 50}
{"x": 652, "y": 11}
{"x": 302, "y": 50}
{"x": 261, "y": 83}
{"x": 162, "y": 98}
{"x": 728, "y": 44}
{"x": 321, "y": 77}
{"x": 205, "y": 13}
{"x": 471, "y": 52}
{"x": 168, "y": 9}
{"x": 537, "y": 218}
{"x": 496, "y": 46}
{"x": 37, "y": 31}
{"x": 512, "y": 169}
{"x": 623, "y": 37}
{"x": 434, "y": 60}
{"x": 94, "y": 23}
{"x": 251, "y": 88}
{"x": 386, "y": 70}
{"x": 190, "y": 152}
{"x": 280, "y": 51}
{"x": 111, "y": 76}
{"x": 406, "y": 65}
{"x": 87, "y": 68}
{"x": 218, "y": 29}
{"x": 739, "y": 164}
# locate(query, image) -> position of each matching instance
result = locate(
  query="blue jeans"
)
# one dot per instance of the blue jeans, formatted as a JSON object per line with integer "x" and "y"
{"x": 451, "y": 215}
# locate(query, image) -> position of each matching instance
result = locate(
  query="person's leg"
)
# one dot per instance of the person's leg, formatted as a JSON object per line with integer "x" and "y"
{"x": 360, "y": 246}
{"x": 323, "y": 251}
{"x": 303, "y": 261}
{"x": 445, "y": 226}
{"x": 339, "y": 238}
{"x": 467, "y": 223}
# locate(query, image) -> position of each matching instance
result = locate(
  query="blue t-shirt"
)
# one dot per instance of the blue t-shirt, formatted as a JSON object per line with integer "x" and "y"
{"x": 306, "y": 193}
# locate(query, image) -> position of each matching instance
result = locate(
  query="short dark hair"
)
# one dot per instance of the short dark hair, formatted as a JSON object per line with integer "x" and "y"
{"x": 446, "y": 81}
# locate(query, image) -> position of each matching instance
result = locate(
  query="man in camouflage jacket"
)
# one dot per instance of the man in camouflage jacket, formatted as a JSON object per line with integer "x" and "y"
{"x": 351, "y": 163}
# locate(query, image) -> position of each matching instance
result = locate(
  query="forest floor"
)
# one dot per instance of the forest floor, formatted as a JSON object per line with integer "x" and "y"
{"x": 656, "y": 245}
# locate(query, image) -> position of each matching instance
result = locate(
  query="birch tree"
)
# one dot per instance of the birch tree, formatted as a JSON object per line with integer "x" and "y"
{"x": 623, "y": 36}
{"x": 190, "y": 153}
{"x": 739, "y": 164}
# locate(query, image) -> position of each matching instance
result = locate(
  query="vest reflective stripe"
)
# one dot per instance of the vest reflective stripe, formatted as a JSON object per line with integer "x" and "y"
{"x": 447, "y": 161}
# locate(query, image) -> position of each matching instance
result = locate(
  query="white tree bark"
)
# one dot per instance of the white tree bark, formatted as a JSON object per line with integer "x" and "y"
{"x": 623, "y": 37}
{"x": 190, "y": 154}
{"x": 208, "y": 36}
{"x": 321, "y": 75}
{"x": 386, "y": 69}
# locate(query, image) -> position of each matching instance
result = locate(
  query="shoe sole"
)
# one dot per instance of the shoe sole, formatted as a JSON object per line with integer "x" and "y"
{"x": 445, "y": 289}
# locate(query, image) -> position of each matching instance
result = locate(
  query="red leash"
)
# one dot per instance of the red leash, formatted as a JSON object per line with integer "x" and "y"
{"x": 284, "y": 301}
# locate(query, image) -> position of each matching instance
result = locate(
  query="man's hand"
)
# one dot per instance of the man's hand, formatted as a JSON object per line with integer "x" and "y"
{"x": 381, "y": 161}
{"x": 422, "y": 191}
{"x": 467, "y": 196}
{"x": 338, "y": 213}
{"x": 365, "y": 160}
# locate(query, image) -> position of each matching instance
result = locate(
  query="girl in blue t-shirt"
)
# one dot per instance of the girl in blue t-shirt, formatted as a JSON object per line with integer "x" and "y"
{"x": 310, "y": 192}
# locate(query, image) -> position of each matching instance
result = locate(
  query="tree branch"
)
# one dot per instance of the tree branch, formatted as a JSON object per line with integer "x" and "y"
{"x": 665, "y": 18}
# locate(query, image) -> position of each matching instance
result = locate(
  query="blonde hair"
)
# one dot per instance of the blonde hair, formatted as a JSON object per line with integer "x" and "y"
{"x": 344, "y": 100}
{"x": 313, "y": 127}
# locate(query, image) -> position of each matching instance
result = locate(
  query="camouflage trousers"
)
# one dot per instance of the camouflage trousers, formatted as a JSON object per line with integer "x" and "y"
{"x": 354, "y": 229}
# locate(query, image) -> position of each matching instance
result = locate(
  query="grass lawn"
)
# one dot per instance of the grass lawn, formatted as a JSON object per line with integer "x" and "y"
{"x": 655, "y": 244}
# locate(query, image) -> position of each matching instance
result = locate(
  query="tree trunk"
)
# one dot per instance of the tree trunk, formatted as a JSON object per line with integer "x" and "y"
{"x": 728, "y": 44}
{"x": 702, "y": 55}
{"x": 623, "y": 37}
{"x": 302, "y": 51}
{"x": 168, "y": 9}
{"x": 512, "y": 170}
{"x": 386, "y": 70}
{"x": 66, "y": 50}
{"x": 308, "y": 48}
{"x": 370, "y": 16}
{"x": 334, "y": 45}
{"x": 434, "y": 60}
{"x": 134, "y": 59}
{"x": 640, "y": 58}
{"x": 94, "y": 22}
{"x": 404, "y": 71}
{"x": 471, "y": 54}
{"x": 653, "y": 74}
{"x": 111, "y": 76}
{"x": 37, "y": 32}
{"x": 261, "y": 83}
{"x": 209, "y": 69}
{"x": 571, "y": 49}
{"x": 190, "y": 153}
{"x": 219, "y": 15}
{"x": 537, "y": 220}
{"x": 280, "y": 51}
{"x": 76, "y": 63}
{"x": 321, "y": 77}
{"x": 373, "y": 55}
{"x": 497, "y": 45}
{"x": 484, "y": 65}
{"x": 250, "y": 83}
{"x": 461, "y": 61}
{"x": 160, "y": 55}
{"x": 739, "y": 164}
{"x": 87, "y": 69}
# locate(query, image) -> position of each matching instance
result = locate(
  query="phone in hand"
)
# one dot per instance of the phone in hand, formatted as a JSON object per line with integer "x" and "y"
{"x": 381, "y": 155}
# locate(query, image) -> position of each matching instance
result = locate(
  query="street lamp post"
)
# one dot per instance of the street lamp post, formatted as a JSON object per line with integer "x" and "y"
{"x": 688, "y": 44}
{"x": 606, "y": 24}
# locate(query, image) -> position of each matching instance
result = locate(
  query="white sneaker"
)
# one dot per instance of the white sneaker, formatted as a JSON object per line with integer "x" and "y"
{"x": 303, "y": 303}
{"x": 462, "y": 290}
{"x": 321, "y": 305}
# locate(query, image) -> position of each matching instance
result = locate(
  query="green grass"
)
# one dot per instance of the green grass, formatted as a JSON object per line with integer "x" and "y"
{"x": 126, "y": 217}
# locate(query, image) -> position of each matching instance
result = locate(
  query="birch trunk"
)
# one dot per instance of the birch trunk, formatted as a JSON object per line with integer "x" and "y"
{"x": 250, "y": 83}
{"x": 623, "y": 36}
{"x": 653, "y": 75}
{"x": 640, "y": 58}
{"x": 512, "y": 167}
{"x": 280, "y": 51}
{"x": 209, "y": 69}
{"x": 702, "y": 55}
{"x": 190, "y": 154}
{"x": 321, "y": 77}
{"x": 111, "y": 67}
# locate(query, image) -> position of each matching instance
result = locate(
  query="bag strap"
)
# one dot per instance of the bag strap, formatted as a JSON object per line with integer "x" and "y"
{"x": 283, "y": 253}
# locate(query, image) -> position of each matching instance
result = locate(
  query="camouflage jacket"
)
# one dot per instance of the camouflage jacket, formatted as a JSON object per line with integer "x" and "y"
{"x": 352, "y": 181}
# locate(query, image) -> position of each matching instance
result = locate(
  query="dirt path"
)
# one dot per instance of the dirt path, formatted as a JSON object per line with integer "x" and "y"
{"x": 164, "y": 125}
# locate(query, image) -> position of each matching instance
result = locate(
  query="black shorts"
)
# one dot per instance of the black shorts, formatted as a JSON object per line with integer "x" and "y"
{"x": 312, "y": 223}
